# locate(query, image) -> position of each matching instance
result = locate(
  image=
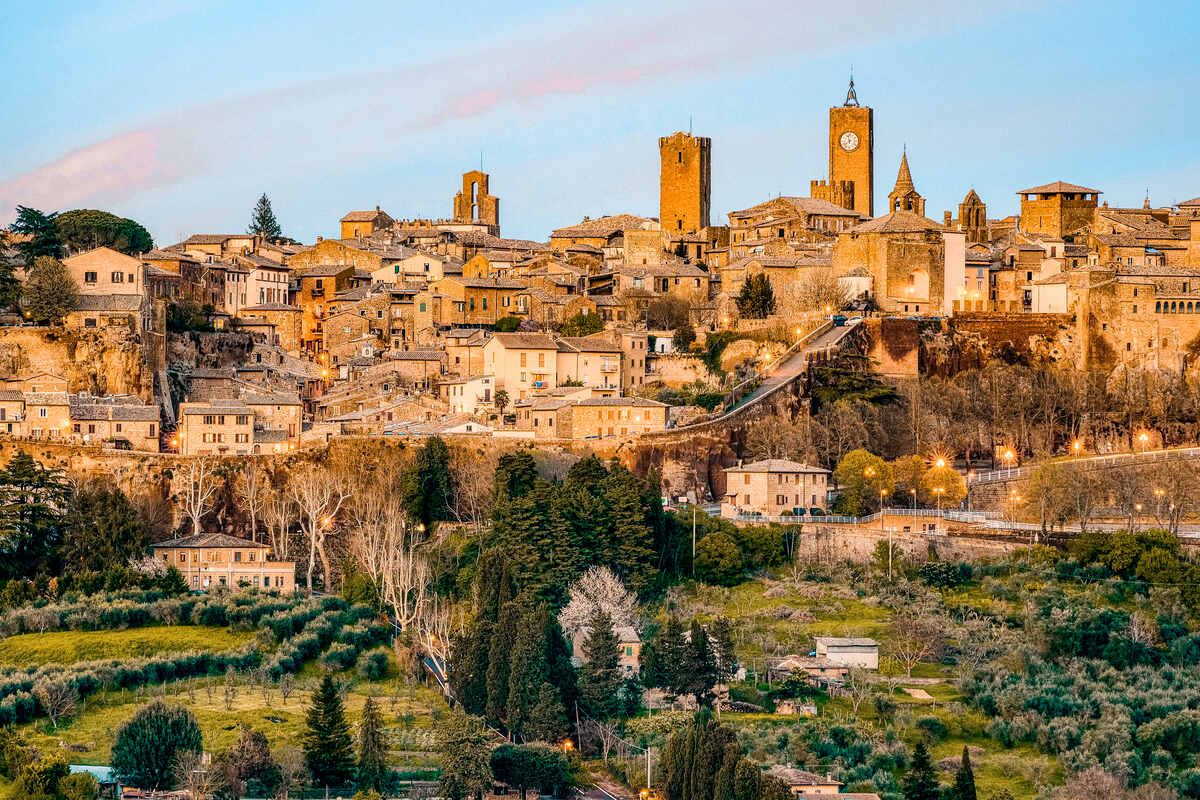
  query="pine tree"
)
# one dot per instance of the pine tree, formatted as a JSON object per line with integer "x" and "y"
{"x": 263, "y": 222}
{"x": 548, "y": 720}
{"x": 50, "y": 292}
{"x": 500, "y": 658}
{"x": 427, "y": 485}
{"x": 964, "y": 779}
{"x": 372, "y": 752}
{"x": 921, "y": 782}
{"x": 663, "y": 669}
{"x": 42, "y": 232}
{"x": 328, "y": 746}
{"x": 33, "y": 502}
{"x": 756, "y": 300}
{"x": 600, "y": 679}
{"x": 632, "y": 539}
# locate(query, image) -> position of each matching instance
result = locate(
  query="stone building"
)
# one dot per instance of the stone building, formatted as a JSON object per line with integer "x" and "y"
{"x": 210, "y": 560}
{"x": 1057, "y": 209}
{"x": 364, "y": 223}
{"x": 215, "y": 427}
{"x": 685, "y": 183}
{"x": 972, "y": 218}
{"x": 906, "y": 255}
{"x": 851, "y": 158}
{"x": 904, "y": 195}
{"x": 474, "y": 204}
{"x": 773, "y": 487}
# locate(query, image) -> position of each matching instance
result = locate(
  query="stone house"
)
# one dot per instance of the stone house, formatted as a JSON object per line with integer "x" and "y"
{"x": 209, "y": 560}
{"x": 215, "y": 427}
{"x": 522, "y": 363}
{"x": 773, "y": 487}
{"x": 852, "y": 651}
{"x": 597, "y": 417}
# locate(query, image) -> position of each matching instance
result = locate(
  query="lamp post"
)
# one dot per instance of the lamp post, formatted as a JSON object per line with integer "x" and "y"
{"x": 1008, "y": 457}
{"x": 970, "y": 477}
{"x": 1143, "y": 437}
{"x": 913, "y": 492}
{"x": 882, "y": 495}
{"x": 1076, "y": 447}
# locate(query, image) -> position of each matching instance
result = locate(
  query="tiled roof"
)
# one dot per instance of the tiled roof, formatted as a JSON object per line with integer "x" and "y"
{"x": 212, "y": 238}
{"x": 363, "y": 216}
{"x": 415, "y": 355}
{"x": 528, "y": 341}
{"x": 208, "y": 540}
{"x": 846, "y": 641}
{"x": 898, "y": 222}
{"x": 11, "y": 395}
{"x": 326, "y": 270}
{"x": 777, "y": 465}
{"x": 605, "y": 226}
{"x": 110, "y": 302}
{"x": 1194, "y": 202}
{"x": 271, "y": 307}
{"x": 586, "y": 345}
{"x": 167, "y": 255}
{"x": 636, "y": 402}
{"x": 1059, "y": 187}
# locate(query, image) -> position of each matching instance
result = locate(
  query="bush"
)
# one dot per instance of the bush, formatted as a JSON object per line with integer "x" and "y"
{"x": 339, "y": 656}
{"x": 718, "y": 560}
{"x": 373, "y": 664}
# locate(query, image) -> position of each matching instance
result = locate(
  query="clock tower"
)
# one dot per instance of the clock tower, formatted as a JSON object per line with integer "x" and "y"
{"x": 852, "y": 151}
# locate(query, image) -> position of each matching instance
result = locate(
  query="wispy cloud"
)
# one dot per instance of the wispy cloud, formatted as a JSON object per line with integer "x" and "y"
{"x": 361, "y": 116}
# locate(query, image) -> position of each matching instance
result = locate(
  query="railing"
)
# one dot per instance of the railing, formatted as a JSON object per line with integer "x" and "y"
{"x": 1098, "y": 461}
{"x": 970, "y": 517}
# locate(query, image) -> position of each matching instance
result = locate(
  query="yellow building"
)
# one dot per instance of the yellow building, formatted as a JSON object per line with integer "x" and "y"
{"x": 685, "y": 182}
{"x": 773, "y": 487}
{"x": 477, "y": 301}
{"x": 521, "y": 362}
{"x": 851, "y": 158}
{"x": 210, "y": 560}
{"x": 221, "y": 427}
{"x": 105, "y": 271}
{"x": 1057, "y": 209}
{"x": 364, "y": 223}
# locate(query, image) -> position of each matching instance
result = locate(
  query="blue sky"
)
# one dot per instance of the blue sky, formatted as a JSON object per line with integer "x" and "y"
{"x": 179, "y": 114}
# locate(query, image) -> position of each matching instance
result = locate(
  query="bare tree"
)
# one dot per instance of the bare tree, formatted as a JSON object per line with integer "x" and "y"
{"x": 279, "y": 515}
{"x": 252, "y": 487}
{"x": 194, "y": 773}
{"x": 433, "y": 627}
{"x": 287, "y": 686}
{"x": 920, "y": 635}
{"x": 605, "y": 733}
{"x": 473, "y": 477}
{"x": 386, "y": 546}
{"x": 57, "y": 698}
{"x": 200, "y": 484}
{"x": 858, "y": 685}
{"x": 319, "y": 495}
{"x": 292, "y": 771}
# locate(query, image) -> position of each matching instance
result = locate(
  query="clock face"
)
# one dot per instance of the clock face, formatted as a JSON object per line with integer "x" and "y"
{"x": 849, "y": 141}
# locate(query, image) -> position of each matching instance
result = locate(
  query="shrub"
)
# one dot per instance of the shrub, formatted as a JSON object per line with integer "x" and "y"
{"x": 373, "y": 664}
{"x": 339, "y": 656}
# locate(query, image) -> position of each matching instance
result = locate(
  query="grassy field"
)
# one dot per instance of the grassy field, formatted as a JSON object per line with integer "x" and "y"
{"x": 408, "y": 709}
{"x": 70, "y": 647}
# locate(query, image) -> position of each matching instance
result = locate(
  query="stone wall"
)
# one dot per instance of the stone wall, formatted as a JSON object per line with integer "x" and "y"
{"x": 830, "y": 543}
{"x": 96, "y": 360}
{"x": 970, "y": 340}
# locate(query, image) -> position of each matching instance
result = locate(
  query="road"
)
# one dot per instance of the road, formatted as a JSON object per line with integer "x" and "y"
{"x": 795, "y": 365}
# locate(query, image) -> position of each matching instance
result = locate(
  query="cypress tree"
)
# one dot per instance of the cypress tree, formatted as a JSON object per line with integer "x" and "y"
{"x": 499, "y": 658}
{"x": 746, "y": 777}
{"x": 528, "y": 669}
{"x": 600, "y": 679}
{"x": 372, "y": 752}
{"x": 710, "y": 753}
{"x": 548, "y": 720}
{"x": 721, "y": 637}
{"x": 964, "y": 779}
{"x": 921, "y": 782}
{"x": 263, "y": 222}
{"x": 328, "y": 746}
{"x": 697, "y": 668}
{"x": 632, "y": 539}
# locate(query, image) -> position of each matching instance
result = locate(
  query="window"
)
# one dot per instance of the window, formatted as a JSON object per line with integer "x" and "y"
{"x": 118, "y": 277}
{"x": 183, "y": 558}
{"x": 237, "y": 555}
{"x": 89, "y": 277}
{"x": 243, "y": 419}
{"x": 42, "y": 413}
{"x": 422, "y": 308}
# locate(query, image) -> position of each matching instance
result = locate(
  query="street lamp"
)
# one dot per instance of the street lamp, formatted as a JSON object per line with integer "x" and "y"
{"x": 970, "y": 477}
{"x": 939, "y": 491}
{"x": 1008, "y": 457}
{"x": 1077, "y": 446}
{"x": 1143, "y": 437}
{"x": 883, "y": 494}
{"x": 941, "y": 462}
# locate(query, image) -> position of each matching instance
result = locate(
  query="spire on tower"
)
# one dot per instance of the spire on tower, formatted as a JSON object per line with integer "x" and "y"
{"x": 904, "y": 181}
{"x": 851, "y": 97}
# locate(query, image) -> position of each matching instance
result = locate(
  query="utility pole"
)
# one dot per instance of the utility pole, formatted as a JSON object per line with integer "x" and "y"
{"x": 694, "y": 536}
{"x": 648, "y": 749}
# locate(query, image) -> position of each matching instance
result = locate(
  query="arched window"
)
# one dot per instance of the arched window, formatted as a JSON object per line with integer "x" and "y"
{"x": 1158, "y": 307}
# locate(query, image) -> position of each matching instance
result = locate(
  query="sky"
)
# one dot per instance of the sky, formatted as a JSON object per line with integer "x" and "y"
{"x": 180, "y": 113}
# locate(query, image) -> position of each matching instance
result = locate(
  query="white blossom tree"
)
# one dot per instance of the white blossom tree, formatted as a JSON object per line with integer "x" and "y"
{"x": 598, "y": 589}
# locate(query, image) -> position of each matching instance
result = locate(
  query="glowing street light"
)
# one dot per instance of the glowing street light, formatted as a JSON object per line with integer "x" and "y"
{"x": 1077, "y": 446}
{"x": 941, "y": 462}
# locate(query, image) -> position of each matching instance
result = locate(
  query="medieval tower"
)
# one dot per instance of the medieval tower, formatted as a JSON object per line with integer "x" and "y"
{"x": 851, "y": 157}
{"x": 474, "y": 204}
{"x": 972, "y": 218}
{"x": 904, "y": 196}
{"x": 684, "y": 183}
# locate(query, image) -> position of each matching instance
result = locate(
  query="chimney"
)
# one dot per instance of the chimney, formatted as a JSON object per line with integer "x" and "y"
{"x": 320, "y": 239}
{"x": 377, "y": 209}
{"x": 946, "y": 217}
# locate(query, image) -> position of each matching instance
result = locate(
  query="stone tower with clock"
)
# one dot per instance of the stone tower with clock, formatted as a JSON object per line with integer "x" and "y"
{"x": 851, "y": 157}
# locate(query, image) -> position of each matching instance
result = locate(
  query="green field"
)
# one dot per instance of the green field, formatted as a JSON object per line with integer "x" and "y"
{"x": 70, "y": 647}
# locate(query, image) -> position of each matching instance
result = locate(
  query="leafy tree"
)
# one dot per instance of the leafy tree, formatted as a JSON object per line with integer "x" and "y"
{"x": 683, "y": 337}
{"x": 78, "y": 786}
{"x": 756, "y": 300}
{"x": 43, "y": 232}
{"x": 921, "y": 781}
{"x": 147, "y": 744}
{"x": 947, "y": 479}
{"x": 466, "y": 756}
{"x": 585, "y": 323}
{"x": 862, "y": 476}
{"x": 718, "y": 559}
{"x": 33, "y": 499}
{"x": 328, "y": 748}
{"x": 964, "y": 779}
{"x": 86, "y": 229}
{"x": 372, "y": 750}
{"x": 908, "y": 473}
{"x": 548, "y": 720}
{"x": 600, "y": 678}
{"x": 248, "y": 768}
{"x": 537, "y": 766}
{"x": 501, "y": 399}
{"x": 427, "y": 484}
{"x": 667, "y": 313}
{"x": 263, "y": 222}
{"x": 49, "y": 292}
{"x": 102, "y": 530}
{"x": 40, "y": 779}
{"x": 506, "y": 324}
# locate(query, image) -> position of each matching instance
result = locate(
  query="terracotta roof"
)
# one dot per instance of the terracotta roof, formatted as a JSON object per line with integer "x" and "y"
{"x": 110, "y": 302}
{"x": 208, "y": 540}
{"x": 636, "y": 402}
{"x": 777, "y": 465}
{"x": 326, "y": 270}
{"x": 271, "y": 307}
{"x": 1194, "y": 202}
{"x": 214, "y": 238}
{"x": 800, "y": 777}
{"x": 605, "y": 226}
{"x": 1060, "y": 187}
{"x": 528, "y": 341}
{"x": 363, "y": 216}
{"x": 415, "y": 355}
{"x": 167, "y": 255}
{"x": 586, "y": 345}
{"x": 11, "y": 395}
{"x": 898, "y": 222}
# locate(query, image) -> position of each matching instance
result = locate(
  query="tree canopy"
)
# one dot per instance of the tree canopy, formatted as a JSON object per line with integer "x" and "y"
{"x": 148, "y": 743}
{"x": 49, "y": 292}
{"x": 756, "y": 300}
{"x": 263, "y": 222}
{"x": 86, "y": 229}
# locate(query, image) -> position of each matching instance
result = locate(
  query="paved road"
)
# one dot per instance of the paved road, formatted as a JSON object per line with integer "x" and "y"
{"x": 791, "y": 369}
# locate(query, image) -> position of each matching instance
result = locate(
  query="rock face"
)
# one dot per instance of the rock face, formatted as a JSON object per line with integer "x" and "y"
{"x": 99, "y": 360}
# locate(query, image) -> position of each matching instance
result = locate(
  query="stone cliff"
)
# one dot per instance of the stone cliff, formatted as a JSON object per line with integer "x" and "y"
{"x": 98, "y": 360}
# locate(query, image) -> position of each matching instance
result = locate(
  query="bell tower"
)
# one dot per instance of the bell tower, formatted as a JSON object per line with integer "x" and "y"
{"x": 852, "y": 151}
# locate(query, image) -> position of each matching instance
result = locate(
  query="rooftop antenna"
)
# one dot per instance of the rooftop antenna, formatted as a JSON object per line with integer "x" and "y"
{"x": 689, "y": 124}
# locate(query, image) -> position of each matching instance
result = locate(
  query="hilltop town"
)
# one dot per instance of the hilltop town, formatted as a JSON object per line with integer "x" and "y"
{"x": 244, "y": 343}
